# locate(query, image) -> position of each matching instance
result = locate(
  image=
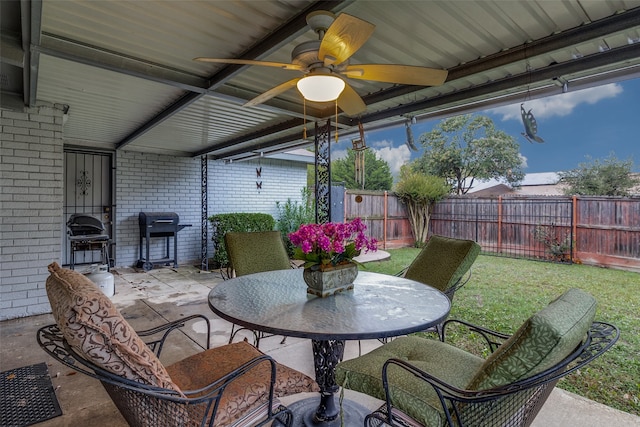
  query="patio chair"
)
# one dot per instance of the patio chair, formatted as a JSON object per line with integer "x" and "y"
{"x": 443, "y": 263}
{"x": 255, "y": 252}
{"x": 233, "y": 384}
{"x": 431, "y": 383}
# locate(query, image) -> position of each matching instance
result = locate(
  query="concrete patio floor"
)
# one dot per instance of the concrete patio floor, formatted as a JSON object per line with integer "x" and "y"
{"x": 163, "y": 294}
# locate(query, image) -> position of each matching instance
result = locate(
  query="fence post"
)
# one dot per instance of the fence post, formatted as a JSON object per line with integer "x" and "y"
{"x": 574, "y": 228}
{"x": 499, "y": 224}
{"x": 384, "y": 221}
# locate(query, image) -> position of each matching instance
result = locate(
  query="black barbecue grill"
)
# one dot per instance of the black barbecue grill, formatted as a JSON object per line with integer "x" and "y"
{"x": 159, "y": 224}
{"x": 87, "y": 233}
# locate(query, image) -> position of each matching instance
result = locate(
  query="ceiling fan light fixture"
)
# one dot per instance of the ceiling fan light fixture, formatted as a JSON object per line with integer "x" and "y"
{"x": 321, "y": 88}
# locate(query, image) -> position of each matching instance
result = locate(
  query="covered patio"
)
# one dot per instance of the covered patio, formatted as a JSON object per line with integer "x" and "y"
{"x": 164, "y": 294}
{"x": 117, "y": 81}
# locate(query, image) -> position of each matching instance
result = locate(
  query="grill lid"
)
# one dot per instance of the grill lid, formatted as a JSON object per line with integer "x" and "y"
{"x": 83, "y": 224}
{"x": 159, "y": 218}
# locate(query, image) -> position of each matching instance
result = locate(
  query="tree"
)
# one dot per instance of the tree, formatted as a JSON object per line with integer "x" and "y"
{"x": 464, "y": 148}
{"x": 610, "y": 177}
{"x": 420, "y": 192}
{"x": 377, "y": 173}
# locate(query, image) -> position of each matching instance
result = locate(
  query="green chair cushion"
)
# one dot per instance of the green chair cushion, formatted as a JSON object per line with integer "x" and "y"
{"x": 443, "y": 261}
{"x": 409, "y": 394}
{"x": 255, "y": 252}
{"x": 544, "y": 340}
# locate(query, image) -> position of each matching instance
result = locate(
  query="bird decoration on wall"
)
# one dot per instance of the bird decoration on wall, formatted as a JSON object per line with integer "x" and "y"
{"x": 259, "y": 176}
{"x": 530, "y": 126}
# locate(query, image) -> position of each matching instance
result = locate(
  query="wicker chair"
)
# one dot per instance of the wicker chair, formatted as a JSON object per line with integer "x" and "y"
{"x": 255, "y": 252}
{"x": 426, "y": 382}
{"x": 231, "y": 385}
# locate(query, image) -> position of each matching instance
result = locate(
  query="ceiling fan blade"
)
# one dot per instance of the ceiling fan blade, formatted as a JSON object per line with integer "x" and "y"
{"x": 346, "y": 35}
{"x": 350, "y": 102}
{"x": 282, "y": 65}
{"x": 273, "y": 92}
{"x": 401, "y": 74}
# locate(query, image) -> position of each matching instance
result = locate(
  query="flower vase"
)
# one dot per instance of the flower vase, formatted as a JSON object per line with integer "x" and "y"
{"x": 330, "y": 280}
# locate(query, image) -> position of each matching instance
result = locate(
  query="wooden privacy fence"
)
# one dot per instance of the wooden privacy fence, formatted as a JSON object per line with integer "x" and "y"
{"x": 593, "y": 230}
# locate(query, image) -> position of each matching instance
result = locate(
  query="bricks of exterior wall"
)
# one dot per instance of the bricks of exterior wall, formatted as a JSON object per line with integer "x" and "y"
{"x": 32, "y": 197}
{"x": 155, "y": 183}
{"x": 232, "y": 187}
{"x": 149, "y": 182}
{"x": 32, "y": 159}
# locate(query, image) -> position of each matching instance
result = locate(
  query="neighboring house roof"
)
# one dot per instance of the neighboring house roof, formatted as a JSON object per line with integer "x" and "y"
{"x": 496, "y": 190}
{"x": 542, "y": 183}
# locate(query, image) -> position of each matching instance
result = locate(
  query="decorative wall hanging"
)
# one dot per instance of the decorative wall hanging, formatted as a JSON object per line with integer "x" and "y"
{"x": 83, "y": 182}
{"x": 259, "y": 176}
{"x": 530, "y": 125}
{"x": 528, "y": 120}
{"x": 410, "y": 142}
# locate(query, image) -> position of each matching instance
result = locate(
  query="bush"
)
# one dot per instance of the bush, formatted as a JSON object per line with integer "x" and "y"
{"x": 224, "y": 223}
{"x": 558, "y": 246}
{"x": 291, "y": 215}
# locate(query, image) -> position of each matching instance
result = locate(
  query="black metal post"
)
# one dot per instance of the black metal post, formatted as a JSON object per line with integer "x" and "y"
{"x": 204, "y": 220}
{"x": 323, "y": 173}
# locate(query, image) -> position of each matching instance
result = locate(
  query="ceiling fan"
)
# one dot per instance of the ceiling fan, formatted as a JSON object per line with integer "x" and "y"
{"x": 328, "y": 58}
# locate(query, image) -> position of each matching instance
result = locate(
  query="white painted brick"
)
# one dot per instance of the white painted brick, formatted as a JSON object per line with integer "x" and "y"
{"x": 13, "y": 313}
{"x": 15, "y": 115}
{"x": 42, "y": 118}
{"x": 144, "y": 182}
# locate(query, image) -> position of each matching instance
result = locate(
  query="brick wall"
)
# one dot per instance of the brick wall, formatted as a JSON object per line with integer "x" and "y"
{"x": 154, "y": 183}
{"x": 31, "y": 198}
{"x": 31, "y": 161}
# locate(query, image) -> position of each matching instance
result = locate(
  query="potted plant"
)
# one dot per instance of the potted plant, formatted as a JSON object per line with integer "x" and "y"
{"x": 328, "y": 251}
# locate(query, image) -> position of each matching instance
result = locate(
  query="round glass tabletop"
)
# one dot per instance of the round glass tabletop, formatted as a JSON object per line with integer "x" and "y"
{"x": 379, "y": 306}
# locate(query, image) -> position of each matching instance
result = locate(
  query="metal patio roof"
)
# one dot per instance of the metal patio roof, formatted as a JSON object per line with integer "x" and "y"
{"x": 125, "y": 69}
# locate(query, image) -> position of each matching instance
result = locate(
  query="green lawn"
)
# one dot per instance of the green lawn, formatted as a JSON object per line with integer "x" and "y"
{"x": 504, "y": 292}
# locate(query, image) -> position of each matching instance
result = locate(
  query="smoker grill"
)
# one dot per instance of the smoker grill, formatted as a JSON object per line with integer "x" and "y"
{"x": 159, "y": 224}
{"x": 87, "y": 233}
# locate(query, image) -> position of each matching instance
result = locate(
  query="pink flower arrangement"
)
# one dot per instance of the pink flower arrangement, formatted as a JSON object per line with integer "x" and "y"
{"x": 330, "y": 244}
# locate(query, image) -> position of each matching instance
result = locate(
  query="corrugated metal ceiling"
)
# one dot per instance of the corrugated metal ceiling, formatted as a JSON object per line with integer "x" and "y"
{"x": 126, "y": 68}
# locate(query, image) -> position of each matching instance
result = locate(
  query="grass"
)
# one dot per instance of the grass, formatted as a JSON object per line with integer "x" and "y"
{"x": 504, "y": 292}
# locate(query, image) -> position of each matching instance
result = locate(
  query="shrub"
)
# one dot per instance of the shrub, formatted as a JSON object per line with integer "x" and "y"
{"x": 556, "y": 245}
{"x": 224, "y": 223}
{"x": 292, "y": 214}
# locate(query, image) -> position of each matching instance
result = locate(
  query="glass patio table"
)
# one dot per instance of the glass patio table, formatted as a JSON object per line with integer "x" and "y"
{"x": 379, "y": 306}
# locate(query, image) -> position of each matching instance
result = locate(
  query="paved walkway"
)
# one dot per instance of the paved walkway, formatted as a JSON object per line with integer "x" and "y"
{"x": 148, "y": 298}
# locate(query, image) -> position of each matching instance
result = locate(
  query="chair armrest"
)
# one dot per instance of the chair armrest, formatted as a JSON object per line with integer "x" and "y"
{"x": 442, "y": 389}
{"x": 463, "y": 280}
{"x": 166, "y": 328}
{"x": 402, "y": 272}
{"x": 493, "y": 338}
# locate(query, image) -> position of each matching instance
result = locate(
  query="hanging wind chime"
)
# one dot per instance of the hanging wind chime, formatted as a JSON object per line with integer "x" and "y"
{"x": 359, "y": 147}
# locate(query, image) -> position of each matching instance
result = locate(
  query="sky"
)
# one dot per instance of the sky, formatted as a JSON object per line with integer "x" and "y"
{"x": 595, "y": 122}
